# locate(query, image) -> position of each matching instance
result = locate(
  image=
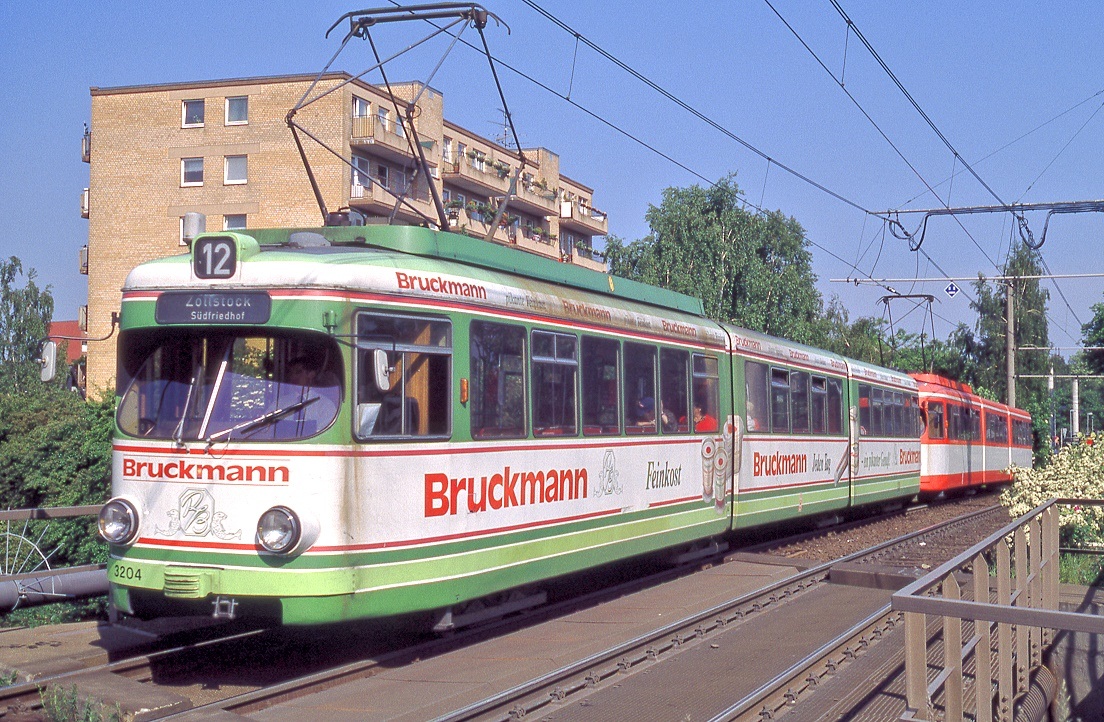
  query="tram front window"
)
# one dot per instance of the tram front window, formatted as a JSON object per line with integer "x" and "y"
{"x": 226, "y": 387}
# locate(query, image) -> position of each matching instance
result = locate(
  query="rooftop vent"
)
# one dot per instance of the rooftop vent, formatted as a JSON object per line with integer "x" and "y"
{"x": 307, "y": 239}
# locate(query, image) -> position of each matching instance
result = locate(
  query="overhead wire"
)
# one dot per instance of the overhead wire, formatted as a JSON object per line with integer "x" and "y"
{"x": 939, "y": 133}
{"x": 689, "y": 108}
{"x": 667, "y": 94}
{"x": 874, "y": 123}
{"x": 1012, "y": 142}
{"x": 957, "y": 156}
{"x": 636, "y": 139}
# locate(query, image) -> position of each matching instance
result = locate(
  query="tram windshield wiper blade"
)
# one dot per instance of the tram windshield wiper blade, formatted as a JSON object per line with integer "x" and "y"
{"x": 262, "y": 420}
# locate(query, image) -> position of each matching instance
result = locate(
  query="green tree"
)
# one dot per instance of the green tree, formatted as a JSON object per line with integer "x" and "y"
{"x": 1092, "y": 334}
{"x": 55, "y": 450}
{"x": 754, "y": 271}
{"x": 24, "y": 321}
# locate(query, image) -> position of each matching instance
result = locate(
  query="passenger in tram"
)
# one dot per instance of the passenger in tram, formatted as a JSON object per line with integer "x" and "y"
{"x": 646, "y": 415}
{"x": 703, "y": 422}
{"x": 304, "y": 375}
{"x": 754, "y": 423}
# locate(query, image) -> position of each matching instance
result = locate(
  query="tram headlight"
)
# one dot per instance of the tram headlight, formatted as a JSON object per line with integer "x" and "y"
{"x": 279, "y": 530}
{"x": 118, "y": 521}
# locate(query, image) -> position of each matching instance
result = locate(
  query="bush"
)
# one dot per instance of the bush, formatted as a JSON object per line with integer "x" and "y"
{"x": 1075, "y": 472}
{"x": 55, "y": 450}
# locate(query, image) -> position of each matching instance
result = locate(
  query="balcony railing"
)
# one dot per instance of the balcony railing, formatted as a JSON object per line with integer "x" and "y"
{"x": 483, "y": 177}
{"x": 370, "y": 130}
{"x": 374, "y": 191}
{"x": 590, "y": 220}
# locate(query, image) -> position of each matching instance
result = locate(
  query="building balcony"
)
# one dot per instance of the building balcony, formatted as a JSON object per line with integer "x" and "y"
{"x": 84, "y": 203}
{"x": 534, "y": 200}
{"x": 84, "y": 260}
{"x": 585, "y": 220}
{"x": 369, "y": 133}
{"x": 86, "y": 146}
{"x": 374, "y": 200}
{"x": 587, "y": 257}
{"x": 468, "y": 175}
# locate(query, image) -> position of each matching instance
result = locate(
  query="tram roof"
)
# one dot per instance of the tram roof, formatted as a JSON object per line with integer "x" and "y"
{"x": 447, "y": 246}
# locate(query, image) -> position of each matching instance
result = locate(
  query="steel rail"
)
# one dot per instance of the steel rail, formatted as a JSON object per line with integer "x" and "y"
{"x": 28, "y": 694}
{"x": 695, "y": 623}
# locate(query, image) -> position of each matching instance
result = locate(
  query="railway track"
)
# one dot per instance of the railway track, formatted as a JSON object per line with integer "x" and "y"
{"x": 542, "y": 694}
{"x": 177, "y": 669}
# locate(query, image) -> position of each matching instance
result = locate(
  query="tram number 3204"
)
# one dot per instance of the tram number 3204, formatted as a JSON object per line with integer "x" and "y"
{"x": 215, "y": 258}
{"x": 122, "y": 571}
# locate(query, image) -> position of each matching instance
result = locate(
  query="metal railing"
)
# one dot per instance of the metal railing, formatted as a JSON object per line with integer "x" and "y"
{"x": 1012, "y": 584}
{"x": 27, "y": 582}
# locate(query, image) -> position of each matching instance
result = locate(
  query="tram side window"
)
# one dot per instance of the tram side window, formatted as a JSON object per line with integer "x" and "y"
{"x": 640, "y": 397}
{"x": 780, "y": 401}
{"x": 956, "y": 426}
{"x": 799, "y": 401}
{"x": 996, "y": 428}
{"x": 865, "y": 412}
{"x": 895, "y": 414}
{"x": 1021, "y": 433}
{"x": 555, "y": 375}
{"x": 601, "y": 405}
{"x": 835, "y": 406}
{"x": 974, "y": 416}
{"x": 914, "y": 422}
{"x": 674, "y": 375}
{"x": 935, "y": 419}
{"x": 497, "y": 380}
{"x": 755, "y": 381}
{"x": 877, "y": 411}
{"x": 706, "y": 378}
{"x": 403, "y": 376}
{"x": 818, "y": 393}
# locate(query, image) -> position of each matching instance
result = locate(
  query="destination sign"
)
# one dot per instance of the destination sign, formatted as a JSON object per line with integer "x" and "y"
{"x": 216, "y": 307}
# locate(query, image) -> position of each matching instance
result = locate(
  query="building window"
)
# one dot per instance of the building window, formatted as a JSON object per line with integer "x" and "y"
{"x": 237, "y": 170}
{"x": 361, "y": 169}
{"x": 233, "y": 222}
{"x": 446, "y": 149}
{"x": 182, "y": 241}
{"x": 381, "y": 175}
{"x": 191, "y": 114}
{"x": 383, "y": 118}
{"x": 361, "y": 107}
{"x": 237, "y": 110}
{"x": 191, "y": 171}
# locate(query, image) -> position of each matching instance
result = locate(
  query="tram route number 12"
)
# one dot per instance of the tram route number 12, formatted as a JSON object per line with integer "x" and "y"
{"x": 214, "y": 257}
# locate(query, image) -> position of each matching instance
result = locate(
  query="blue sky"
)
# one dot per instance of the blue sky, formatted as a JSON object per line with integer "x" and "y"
{"x": 986, "y": 73}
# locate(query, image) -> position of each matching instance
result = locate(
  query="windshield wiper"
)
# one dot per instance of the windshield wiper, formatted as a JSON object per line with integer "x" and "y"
{"x": 178, "y": 432}
{"x": 261, "y": 421}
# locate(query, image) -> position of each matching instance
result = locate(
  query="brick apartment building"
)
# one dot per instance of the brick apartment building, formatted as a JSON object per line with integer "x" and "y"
{"x": 223, "y": 148}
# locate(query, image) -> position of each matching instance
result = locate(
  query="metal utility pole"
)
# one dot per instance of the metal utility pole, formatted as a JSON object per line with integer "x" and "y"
{"x": 1050, "y": 402}
{"x": 1010, "y": 343}
{"x": 1075, "y": 412}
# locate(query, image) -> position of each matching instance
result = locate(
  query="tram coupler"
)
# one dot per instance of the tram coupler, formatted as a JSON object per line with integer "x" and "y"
{"x": 224, "y": 607}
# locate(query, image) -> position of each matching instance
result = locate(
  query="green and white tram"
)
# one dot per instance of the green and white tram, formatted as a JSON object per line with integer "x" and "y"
{"x": 352, "y": 422}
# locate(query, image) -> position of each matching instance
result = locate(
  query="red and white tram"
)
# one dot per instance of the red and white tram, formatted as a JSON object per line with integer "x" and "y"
{"x": 967, "y": 440}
